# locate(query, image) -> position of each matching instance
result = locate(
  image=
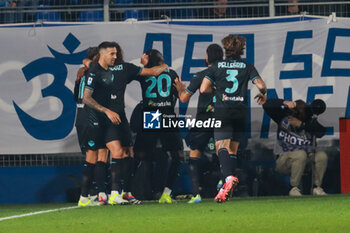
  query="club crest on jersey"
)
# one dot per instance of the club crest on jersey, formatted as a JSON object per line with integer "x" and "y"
{"x": 152, "y": 120}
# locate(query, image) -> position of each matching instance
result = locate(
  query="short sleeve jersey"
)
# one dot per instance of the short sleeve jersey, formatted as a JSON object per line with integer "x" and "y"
{"x": 81, "y": 118}
{"x": 158, "y": 92}
{"x": 231, "y": 80}
{"x": 122, "y": 74}
{"x": 99, "y": 81}
{"x": 205, "y": 100}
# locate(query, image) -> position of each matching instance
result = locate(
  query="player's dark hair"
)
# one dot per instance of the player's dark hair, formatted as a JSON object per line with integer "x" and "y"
{"x": 234, "y": 46}
{"x": 91, "y": 52}
{"x": 215, "y": 53}
{"x": 120, "y": 54}
{"x": 105, "y": 45}
{"x": 155, "y": 58}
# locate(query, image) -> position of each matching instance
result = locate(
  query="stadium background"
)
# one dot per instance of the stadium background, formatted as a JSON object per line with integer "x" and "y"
{"x": 54, "y": 177}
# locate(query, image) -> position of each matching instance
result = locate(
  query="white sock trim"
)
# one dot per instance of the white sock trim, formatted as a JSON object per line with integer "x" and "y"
{"x": 167, "y": 191}
{"x": 226, "y": 179}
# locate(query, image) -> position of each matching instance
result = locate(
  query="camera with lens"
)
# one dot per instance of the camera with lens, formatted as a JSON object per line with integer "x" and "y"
{"x": 312, "y": 110}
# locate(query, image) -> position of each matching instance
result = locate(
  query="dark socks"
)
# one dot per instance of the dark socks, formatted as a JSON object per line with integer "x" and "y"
{"x": 127, "y": 169}
{"x": 88, "y": 172}
{"x": 225, "y": 162}
{"x": 116, "y": 173}
{"x": 233, "y": 159}
{"x": 100, "y": 176}
{"x": 173, "y": 172}
{"x": 194, "y": 170}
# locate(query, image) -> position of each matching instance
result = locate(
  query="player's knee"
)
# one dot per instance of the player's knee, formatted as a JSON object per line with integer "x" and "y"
{"x": 91, "y": 157}
{"x": 195, "y": 154}
{"x": 102, "y": 155}
{"x": 92, "y": 161}
{"x": 221, "y": 144}
{"x": 117, "y": 153}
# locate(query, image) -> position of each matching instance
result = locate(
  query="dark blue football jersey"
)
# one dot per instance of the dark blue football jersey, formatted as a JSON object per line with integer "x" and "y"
{"x": 231, "y": 79}
{"x": 158, "y": 92}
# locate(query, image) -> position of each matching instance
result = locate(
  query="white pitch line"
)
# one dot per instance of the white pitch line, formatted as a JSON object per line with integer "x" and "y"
{"x": 38, "y": 212}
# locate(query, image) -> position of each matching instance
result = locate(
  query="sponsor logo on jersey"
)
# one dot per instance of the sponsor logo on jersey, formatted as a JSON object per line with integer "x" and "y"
{"x": 232, "y": 98}
{"x": 118, "y": 67}
{"x": 159, "y": 104}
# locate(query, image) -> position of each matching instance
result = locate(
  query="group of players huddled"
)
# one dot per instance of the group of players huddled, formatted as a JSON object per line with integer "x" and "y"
{"x": 103, "y": 127}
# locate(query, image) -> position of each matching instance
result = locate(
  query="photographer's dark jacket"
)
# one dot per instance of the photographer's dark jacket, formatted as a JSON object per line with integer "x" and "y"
{"x": 289, "y": 137}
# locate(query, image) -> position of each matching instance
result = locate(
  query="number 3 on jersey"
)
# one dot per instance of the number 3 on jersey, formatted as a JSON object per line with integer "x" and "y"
{"x": 232, "y": 78}
{"x": 159, "y": 81}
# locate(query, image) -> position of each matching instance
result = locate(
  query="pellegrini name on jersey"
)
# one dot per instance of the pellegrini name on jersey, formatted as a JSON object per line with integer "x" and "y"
{"x": 225, "y": 64}
{"x": 191, "y": 123}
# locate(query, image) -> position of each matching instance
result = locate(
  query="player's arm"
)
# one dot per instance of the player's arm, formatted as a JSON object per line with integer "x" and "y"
{"x": 206, "y": 86}
{"x": 92, "y": 103}
{"x": 80, "y": 75}
{"x": 260, "y": 84}
{"x": 87, "y": 62}
{"x": 154, "y": 71}
{"x": 184, "y": 95}
{"x": 275, "y": 109}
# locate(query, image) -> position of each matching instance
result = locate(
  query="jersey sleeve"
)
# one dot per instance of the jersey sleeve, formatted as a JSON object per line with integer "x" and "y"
{"x": 253, "y": 73}
{"x": 196, "y": 82}
{"x": 133, "y": 71}
{"x": 76, "y": 90}
{"x": 210, "y": 73}
{"x": 91, "y": 80}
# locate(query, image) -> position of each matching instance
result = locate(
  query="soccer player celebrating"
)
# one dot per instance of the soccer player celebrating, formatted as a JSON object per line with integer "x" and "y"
{"x": 231, "y": 77}
{"x": 104, "y": 93}
{"x": 159, "y": 95}
{"x": 94, "y": 149}
{"x": 198, "y": 139}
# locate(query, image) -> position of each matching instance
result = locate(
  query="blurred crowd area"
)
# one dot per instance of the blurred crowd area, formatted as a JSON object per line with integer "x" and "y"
{"x": 27, "y": 11}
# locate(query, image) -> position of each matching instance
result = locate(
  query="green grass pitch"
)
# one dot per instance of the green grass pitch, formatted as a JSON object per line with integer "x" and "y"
{"x": 263, "y": 214}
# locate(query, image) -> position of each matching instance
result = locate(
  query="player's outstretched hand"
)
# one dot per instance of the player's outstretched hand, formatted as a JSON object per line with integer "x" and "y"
{"x": 113, "y": 116}
{"x": 260, "y": 98}
{"x": 179, "y": 85}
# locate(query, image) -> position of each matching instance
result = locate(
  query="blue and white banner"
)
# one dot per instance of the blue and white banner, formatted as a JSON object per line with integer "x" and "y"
{"x": 299, "y": 58}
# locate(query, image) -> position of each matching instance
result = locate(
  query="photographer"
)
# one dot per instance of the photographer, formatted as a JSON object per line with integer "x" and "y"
{"x": 297, "y": 130}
